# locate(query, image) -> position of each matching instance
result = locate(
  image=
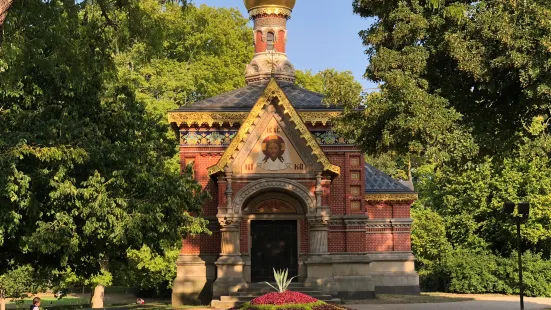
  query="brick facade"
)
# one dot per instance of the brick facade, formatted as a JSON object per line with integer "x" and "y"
{"x": 344, "y": 195}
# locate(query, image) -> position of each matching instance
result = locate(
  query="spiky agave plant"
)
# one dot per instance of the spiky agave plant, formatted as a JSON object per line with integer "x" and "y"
{"x": 281, "y": 280}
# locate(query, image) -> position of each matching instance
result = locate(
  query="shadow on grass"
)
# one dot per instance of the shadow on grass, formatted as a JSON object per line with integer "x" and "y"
{"x": 151, "y": 306}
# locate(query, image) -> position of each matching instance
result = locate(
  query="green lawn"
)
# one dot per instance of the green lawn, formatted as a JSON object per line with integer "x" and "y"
{"x": 49, "y": 301}
{"x": 82, "y": 303}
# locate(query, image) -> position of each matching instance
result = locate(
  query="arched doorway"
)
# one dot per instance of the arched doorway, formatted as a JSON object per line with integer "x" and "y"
{"x": 273, "y": 225}
{"x": 274, "y": 240}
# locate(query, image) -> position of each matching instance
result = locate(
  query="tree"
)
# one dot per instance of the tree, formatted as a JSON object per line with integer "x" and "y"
{"x": 339, "y": 88}
{"x": 171, "y": 63}
{"x": 478, "y": 67}
{"x": 465, "y": 101}
{"x": 86, "y": 172}
{"x": 16, "y": 283}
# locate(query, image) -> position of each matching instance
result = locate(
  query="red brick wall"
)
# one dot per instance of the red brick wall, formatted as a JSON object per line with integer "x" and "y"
{"x": 260, "y": 45}
{"x": 191, "y": 245}
{"x": 280, "y": 42}
{"x": 338, "y": 193}
{"x": 402, "y": 241}
{"x": 337, "y": 240}
{"x": 355, "y": 240}
{"x": 379, "y": 211}
{"x": 212, "y": 244}
{"x": 304, "y": 243}
{"x": 401, "y": 211}
{"x": 244, "y": 241}
{"x": 379, "y": 239}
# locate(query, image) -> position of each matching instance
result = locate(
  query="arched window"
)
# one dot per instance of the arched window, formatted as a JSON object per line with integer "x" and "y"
{"x": 270, "y": 40}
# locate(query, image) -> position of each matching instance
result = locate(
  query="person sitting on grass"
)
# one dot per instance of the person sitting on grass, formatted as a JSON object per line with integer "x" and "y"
{"x": 36, "y": 304}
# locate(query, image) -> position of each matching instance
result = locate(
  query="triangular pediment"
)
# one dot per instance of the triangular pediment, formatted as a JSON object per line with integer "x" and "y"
{"x": 274, "y": 140}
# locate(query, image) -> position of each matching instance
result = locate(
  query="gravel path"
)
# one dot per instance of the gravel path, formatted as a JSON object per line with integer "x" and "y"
{"x": 480, "y": 303}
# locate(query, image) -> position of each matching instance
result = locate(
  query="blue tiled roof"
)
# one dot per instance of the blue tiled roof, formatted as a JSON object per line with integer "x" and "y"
{"x": 243, "y": 99}
{"x": 377, "y": 181}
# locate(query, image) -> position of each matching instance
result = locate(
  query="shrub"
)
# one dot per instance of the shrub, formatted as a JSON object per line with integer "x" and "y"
{"x": 476, "y": 272}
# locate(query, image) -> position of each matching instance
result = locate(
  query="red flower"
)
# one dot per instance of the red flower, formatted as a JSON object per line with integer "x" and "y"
{"x": 287, "y": 297}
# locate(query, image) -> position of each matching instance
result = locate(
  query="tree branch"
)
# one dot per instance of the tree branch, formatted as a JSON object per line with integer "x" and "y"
{"x": 103, "y": 9}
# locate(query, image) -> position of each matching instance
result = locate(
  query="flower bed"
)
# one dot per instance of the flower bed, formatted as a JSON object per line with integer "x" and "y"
{"x": 288, "y": 301}
{"x": 286, "y": 297}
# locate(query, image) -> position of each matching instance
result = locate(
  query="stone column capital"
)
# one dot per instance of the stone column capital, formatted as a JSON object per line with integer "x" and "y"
{"x": 228, "y": 221}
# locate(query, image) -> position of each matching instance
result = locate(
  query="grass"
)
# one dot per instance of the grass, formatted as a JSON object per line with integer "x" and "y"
{"x": 408, "y": 299}
{"x": 82, "y": 303}
{"x": 49, "y": 302}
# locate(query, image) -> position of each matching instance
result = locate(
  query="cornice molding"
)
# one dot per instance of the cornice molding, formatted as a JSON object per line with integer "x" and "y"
{"x": 270, "y": 11}
{"x": 392, "y": 197}
{"x": 210, "y": 118}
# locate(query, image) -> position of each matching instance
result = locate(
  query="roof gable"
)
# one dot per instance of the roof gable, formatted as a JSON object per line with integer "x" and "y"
{"x": 272, "y": 95}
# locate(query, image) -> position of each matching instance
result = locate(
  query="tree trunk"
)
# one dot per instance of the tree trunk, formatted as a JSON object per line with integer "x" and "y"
{"x": 4, "y": 6}
{"x": 97, "y": 297}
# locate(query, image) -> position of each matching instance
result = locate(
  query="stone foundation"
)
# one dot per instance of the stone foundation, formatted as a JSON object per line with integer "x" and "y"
{"x": 194, "y": 279}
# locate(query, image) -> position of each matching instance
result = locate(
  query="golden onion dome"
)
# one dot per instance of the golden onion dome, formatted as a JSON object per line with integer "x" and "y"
{"x": 251, "y": 4}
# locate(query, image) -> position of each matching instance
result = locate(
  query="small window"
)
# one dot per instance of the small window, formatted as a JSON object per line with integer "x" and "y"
{"x": 270, "y": 39}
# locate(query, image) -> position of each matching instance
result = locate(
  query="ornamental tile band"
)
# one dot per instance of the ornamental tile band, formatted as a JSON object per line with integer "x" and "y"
{"x": 206, "y": 138}
{"x": 224, "y": 138}
{"x": 329, "y": 137}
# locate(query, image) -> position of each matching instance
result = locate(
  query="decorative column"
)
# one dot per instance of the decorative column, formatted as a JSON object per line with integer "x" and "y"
{"x": 319, "y": 223}
{"x": 319, "y": 263}
{"x": 230, "y": 264}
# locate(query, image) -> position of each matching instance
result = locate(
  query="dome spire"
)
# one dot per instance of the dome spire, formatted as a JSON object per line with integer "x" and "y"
{"x": 270, "y": 37}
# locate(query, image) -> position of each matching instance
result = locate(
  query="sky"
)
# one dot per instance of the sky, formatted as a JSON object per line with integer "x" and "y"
{"x": 322, "y": 34}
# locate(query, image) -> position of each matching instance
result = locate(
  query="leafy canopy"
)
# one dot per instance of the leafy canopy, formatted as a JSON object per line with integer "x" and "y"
{"x": 86, "y": 168}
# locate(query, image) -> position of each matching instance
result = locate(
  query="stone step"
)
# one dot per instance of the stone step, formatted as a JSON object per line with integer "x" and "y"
{"x": 334, "y": 301}
{"x": 218, "y": 304}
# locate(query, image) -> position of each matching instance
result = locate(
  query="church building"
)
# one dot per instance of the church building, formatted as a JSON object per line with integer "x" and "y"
{"x": 287, "y": 191}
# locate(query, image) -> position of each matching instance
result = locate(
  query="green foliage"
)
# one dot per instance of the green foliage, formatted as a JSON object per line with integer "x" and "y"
{"x": 476, "y": 272}
{"x": 184, "y": 55}
{"x": 281, "y": 280}
{"x": 149, "y": 272}
{"x": 339, "y": 88}
{"x": 86, "y": 168}
{"x": 428, "y": 239}
{"x": 17, "y": 283}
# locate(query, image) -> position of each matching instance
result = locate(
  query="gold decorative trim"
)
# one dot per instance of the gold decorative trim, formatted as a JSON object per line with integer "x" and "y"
{"x": 270, "y": 10}
{"x": 391, "y": 197}
{"x": 273, "y": 90}
{"x": 322, "y": 117}
{"x": 211, "y": 118}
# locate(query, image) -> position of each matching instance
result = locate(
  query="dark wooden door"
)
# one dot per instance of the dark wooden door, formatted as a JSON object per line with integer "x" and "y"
{"x": 274, "y": 245}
